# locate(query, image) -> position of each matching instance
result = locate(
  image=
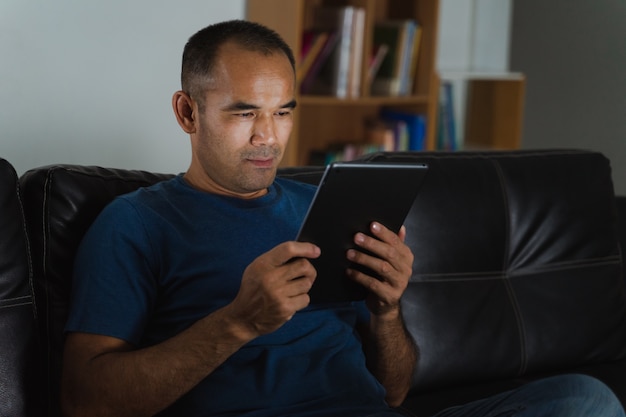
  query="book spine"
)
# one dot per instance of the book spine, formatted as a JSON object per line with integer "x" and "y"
{"x": 342, "y": 58}
{"x": 356, "y": 61}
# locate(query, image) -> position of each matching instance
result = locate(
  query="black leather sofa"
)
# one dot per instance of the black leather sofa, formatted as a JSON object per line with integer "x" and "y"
{"x": 517, "y": 275}
{"x": 19, "y": 360}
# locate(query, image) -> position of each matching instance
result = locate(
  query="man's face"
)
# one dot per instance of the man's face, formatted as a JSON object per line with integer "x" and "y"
{"x": 243, "y": 128}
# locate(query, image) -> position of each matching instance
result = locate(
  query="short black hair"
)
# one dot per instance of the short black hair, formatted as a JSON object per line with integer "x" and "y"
{"x": 201, "y": 50}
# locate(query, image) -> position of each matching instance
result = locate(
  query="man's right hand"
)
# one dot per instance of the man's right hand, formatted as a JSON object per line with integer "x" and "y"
{"x": 274, "y": 287}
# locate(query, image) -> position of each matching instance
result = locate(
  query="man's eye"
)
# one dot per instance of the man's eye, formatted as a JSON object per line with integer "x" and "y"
{"x": 284, "y": 113}
{"x": 245, "y": 115}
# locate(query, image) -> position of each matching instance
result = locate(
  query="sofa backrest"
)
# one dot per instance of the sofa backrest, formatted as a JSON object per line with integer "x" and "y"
{"x": 60, "y": 203}
{"x": 517, "y": 265}
{"x": 18, "y": 341}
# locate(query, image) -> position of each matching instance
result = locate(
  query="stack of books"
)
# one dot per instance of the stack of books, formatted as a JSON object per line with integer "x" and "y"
{"x": 332, "y": 57}
{"x": 399, "y": 65}
{"x": 332, "y": 53}
{"x": 391, "y": 130}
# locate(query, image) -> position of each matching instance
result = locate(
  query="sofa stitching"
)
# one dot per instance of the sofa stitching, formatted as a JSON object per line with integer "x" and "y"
{"x": 507, "y": 275}
{"x": 562, "y": 266}
{"x": 29, "y": 261}
{"x": 506, "y": 270}
{"x": 47, "y": 187}
{"x": 16, "y": 302}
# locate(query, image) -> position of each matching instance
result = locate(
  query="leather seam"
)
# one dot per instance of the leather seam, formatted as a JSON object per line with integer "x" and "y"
{"x": 519, "y": 318}
{"x": 509, "y": 274}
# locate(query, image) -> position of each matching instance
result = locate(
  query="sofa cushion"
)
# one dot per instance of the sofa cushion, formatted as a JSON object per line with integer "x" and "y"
{"x": 60, "y": 203}
{"x": 18, "y": 343}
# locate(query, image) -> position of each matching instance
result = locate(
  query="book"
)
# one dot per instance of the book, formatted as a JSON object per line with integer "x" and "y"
{"x": 406, "y": 60}
{"x": 446, "y": 135}
{"x": 415, "y": 52}
{"x": 333, "y": 77}
{"x": 411, "y": 55}
{"x": 308, "y": 80}
{"x": 356, "y": 53}
{"x": 379, "y": 134}
{"x": 394, "y": 34}
{"x": 398, "y": 68}
{"x": 308, "y": 36}
{"x": 342, "y": 152}
{"x": 380, "y": 51}
{"x": 312, "y": 45}
{"x": 415, "y": 127}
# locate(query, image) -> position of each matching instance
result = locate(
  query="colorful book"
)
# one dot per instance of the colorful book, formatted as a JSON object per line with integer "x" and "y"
{"x": 416, "y": 127}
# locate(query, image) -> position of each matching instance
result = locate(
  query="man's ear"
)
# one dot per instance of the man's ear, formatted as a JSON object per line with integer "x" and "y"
{"x": 183, "y": 106}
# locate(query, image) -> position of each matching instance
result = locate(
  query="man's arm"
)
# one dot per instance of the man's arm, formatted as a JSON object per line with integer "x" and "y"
{"x": 390, "y": 351}
{"x": 105, "y": 376}
{"x": 391, "y": 355}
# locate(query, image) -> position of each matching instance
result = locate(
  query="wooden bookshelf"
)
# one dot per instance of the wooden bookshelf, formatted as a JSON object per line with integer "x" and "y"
{"x": 322, "y": 120}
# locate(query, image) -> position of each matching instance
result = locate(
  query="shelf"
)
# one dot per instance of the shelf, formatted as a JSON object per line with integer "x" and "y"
{"x": 362, "y": 101}
{"x": 480, "y": 75}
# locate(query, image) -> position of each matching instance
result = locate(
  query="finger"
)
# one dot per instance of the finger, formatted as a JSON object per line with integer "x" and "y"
{"x": 288, "y": 251}
{"x": 300, "y": 270}
{"x": 379, "y": 266}
{"x": 383, "y": 233}
{"x": 370, "y": 283}
{"x": 402, "y": 233}
{"x": 380, "y": 249}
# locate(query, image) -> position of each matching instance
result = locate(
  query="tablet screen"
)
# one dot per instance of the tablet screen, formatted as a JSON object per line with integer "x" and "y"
{"x": 349, "y": 198}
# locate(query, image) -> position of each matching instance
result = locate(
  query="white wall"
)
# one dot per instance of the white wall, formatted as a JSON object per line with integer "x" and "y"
{"x": 90, "y": 82}
{"x": 474, "y": 37}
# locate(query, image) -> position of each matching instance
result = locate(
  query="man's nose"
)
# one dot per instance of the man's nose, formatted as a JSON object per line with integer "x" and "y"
{"x": 264, "y": 131}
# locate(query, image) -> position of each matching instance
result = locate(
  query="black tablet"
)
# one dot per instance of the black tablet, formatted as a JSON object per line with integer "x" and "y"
{"x": 350, "y": 196}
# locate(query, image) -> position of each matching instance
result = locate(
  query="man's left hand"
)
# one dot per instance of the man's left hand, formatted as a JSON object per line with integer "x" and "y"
{"x": 392, "y": 261}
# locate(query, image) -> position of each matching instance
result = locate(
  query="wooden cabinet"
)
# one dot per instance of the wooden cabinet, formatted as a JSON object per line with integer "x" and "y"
{"x": 324, "y": 120}
{"x": 494, "y": 112}
{"x": 491, "y": 107}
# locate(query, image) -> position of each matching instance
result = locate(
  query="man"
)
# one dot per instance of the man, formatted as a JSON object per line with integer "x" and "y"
{"x": 190, "y": 296}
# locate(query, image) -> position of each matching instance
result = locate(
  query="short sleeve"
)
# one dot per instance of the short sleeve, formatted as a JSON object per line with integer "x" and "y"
{"x": 114, "y": 284}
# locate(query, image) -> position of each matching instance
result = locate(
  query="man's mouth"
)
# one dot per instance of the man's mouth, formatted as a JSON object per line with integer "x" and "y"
{"x": 262, "y": 162}
{"x": 265, "y": 158}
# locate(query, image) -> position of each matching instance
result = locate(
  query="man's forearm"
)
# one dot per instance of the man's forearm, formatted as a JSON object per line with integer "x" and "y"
{"x": 392, "y": 354}
{"x": 143, "y": 382}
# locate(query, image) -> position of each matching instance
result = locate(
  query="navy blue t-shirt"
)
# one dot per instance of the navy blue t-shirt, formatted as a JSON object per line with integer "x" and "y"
{"x": 157, "y": 260}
